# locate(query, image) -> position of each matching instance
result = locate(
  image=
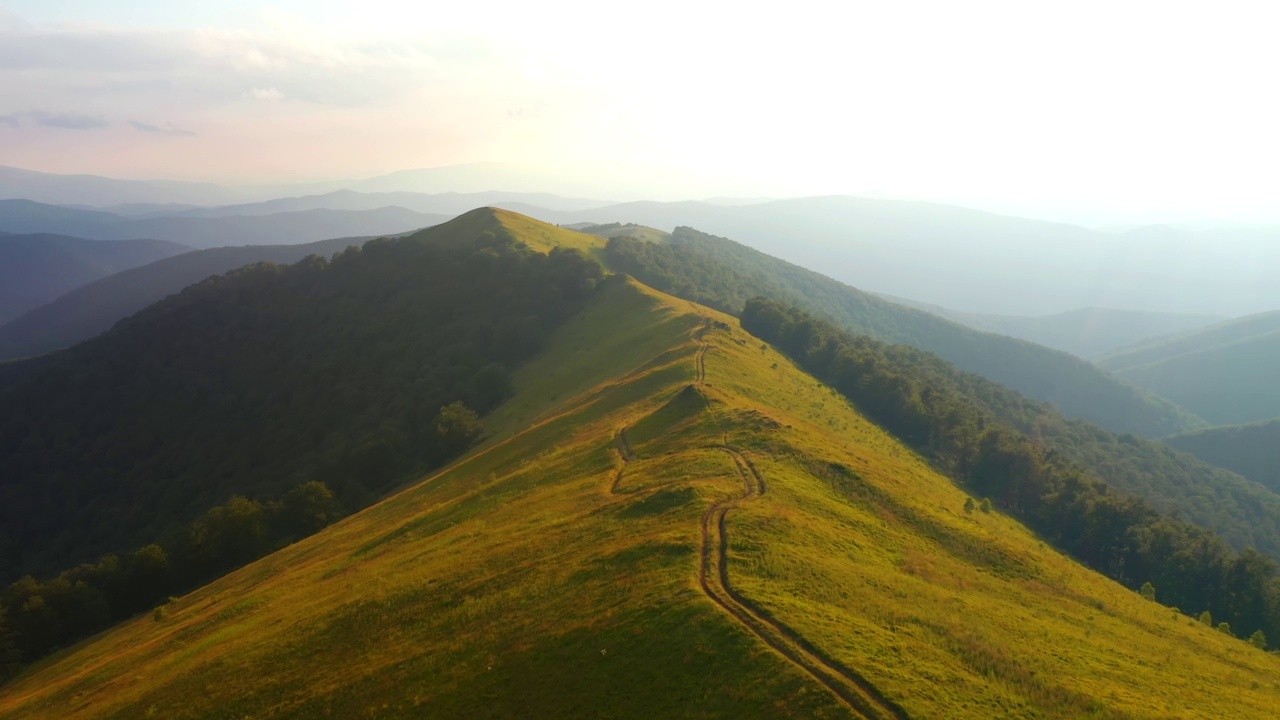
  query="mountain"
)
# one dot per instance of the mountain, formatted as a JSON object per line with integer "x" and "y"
{"x": 725, "y": 274}
{"x": 37, "y": 268}
{"x": 1251, "y": 450}
{"x": 665, "y": 520}
{"x": 981, "y": 262}
{"x": 1224, "y": 373}
{"x": 130, "y": 197}
{"x": 96, "y": 191}
{"x": 1084, "y": 332}
{"x": 450, "y": 203}
{"x": 268, "y": 376}
{"x": 92, "y": 309}
{"x": 280, "y": 228}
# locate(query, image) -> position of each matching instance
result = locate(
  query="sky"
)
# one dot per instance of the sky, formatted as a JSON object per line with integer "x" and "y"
{"x": 1094, "y": 112}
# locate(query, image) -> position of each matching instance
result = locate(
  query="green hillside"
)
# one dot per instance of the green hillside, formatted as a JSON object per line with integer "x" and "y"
{"x": 1224, "y": 373}
{"x": 667, "y": 521}
{"x": 724, "y": 274}
{"x": 1251, "y": 450}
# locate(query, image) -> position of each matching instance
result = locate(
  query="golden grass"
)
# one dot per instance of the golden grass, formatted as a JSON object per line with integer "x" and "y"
{"x": 517, "y": 584}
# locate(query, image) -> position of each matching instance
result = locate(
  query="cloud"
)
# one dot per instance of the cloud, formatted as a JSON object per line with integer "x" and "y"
{"x": 266, "y": 94}
{"x": 64, "y": 120}
{"x": 157, "y": 130}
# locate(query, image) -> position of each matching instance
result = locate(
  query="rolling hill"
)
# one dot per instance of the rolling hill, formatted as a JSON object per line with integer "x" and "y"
{"x": 1224, "y": 373}
{"x": 1085, "y": 332}
{"x": 37, "y": 268}
{"x": 666, "y": 520}
{"x": 725, "y": 274}
{"x": 92, "y": 309}
{"x": 303, "y": 226}
{"x": 1251, "y": 450}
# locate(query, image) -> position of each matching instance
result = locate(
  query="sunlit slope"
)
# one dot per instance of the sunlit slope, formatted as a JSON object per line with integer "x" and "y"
{"x": 669, "y": 521}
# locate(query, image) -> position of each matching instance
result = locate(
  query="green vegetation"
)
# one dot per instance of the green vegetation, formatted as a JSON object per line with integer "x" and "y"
{"x": 926, "y": 403}
{"x": 1224, "y": 373}
{"x": 268, "y": 377}
{"x": 533, "y": 579}
{"x": 1251, "y": 450}
{"x": 43, "y": 616}
{"x": 723, "y": 274}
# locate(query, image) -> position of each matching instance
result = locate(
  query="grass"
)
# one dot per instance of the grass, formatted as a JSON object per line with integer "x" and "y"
{"x": 516, "y": 583}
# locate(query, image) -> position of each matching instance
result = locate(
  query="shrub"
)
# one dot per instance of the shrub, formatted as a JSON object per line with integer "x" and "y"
{"x": 1148, "y": 591}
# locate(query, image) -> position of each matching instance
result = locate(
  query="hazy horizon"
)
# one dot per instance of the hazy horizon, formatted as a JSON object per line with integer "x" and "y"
{"x": 1091, "y": 113}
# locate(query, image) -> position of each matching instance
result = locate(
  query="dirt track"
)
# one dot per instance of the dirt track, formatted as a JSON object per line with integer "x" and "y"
{"x": 850, "y": 687}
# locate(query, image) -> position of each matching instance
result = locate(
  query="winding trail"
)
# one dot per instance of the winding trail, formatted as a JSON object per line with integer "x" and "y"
{"x": 854, "y": 690}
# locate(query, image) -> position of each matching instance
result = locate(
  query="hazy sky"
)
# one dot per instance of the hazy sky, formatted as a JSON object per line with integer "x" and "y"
{"x": 1113, "y": 109}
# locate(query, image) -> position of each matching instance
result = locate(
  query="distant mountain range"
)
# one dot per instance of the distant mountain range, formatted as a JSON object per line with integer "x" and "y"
{"x": 1085, "y": 332}
{"x": 123, "y": 196}
{"x": 966, "y": 260}
{"x": 36, "y": 268}
{"x": 1226, "y": 373}
{"x": 285, "y": 228}
{"x": 91, "y": 309}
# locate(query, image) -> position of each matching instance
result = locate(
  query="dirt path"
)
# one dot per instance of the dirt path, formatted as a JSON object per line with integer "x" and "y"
{"x": 855, "y": 691}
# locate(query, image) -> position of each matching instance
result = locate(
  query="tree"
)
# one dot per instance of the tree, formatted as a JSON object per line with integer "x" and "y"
{"x": 1258, "y": 640}
{"x": 1148, "y": 591}
{"x": 457, "y": 427}
{"x": 1206, "y": 618}
{"x": 309, "y": 507}
{"x": 1224, "y": 627}
{"x": 986, "y": 505}
{"x": 969, "y": 505}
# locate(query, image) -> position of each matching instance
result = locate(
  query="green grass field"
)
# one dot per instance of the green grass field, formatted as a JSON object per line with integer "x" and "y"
{"x": 554, "y": 573}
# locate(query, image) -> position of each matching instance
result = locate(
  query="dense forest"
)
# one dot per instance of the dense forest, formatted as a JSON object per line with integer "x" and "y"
{"x": 1250, "y": 450}
{"x": 39, "y": 616}
{"x": 266, "y": 378}
{"x": 943, "y": 414}
{"x": 724, "y": 274}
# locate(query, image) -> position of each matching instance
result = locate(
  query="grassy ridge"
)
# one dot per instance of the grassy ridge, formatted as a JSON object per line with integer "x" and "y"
{"x": 518, "y": 583}
{"x": 724, "y": 274}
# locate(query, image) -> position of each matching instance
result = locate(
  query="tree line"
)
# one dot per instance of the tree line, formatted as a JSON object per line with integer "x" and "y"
{"x": 943, "y": 414}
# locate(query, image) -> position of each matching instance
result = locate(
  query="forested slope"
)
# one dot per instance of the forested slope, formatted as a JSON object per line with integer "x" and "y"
{"x": 1225, "y": 373}
{"x": 269, "y": 376}
{"x": 1250, "y": 450}
{"x": 1000, "y": 446}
